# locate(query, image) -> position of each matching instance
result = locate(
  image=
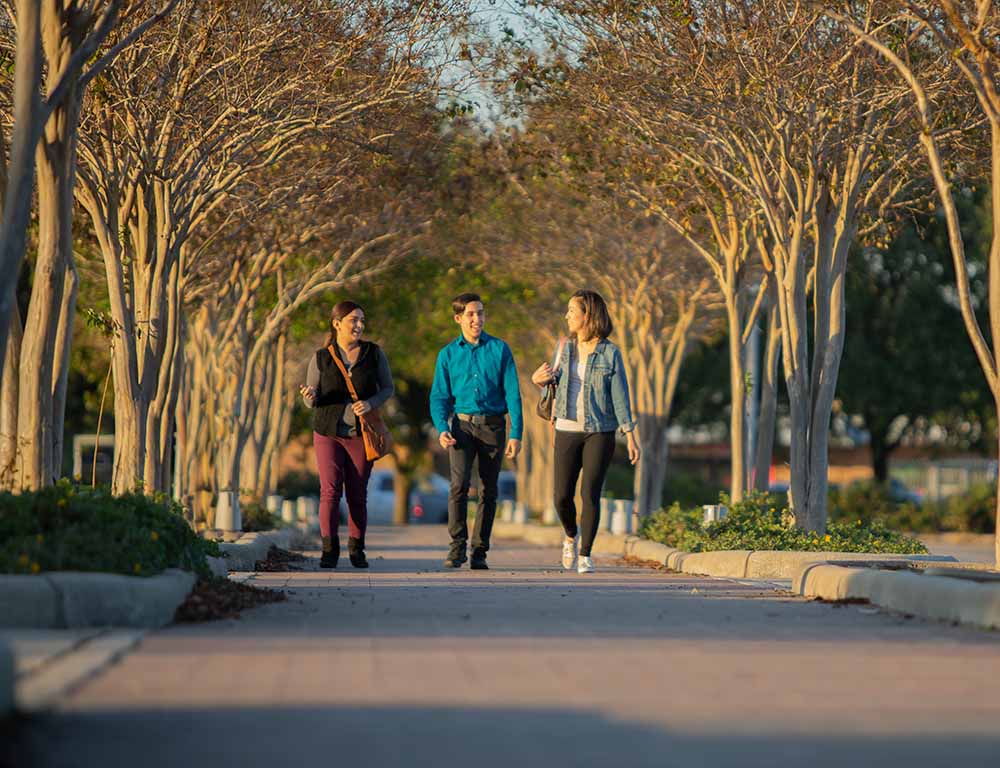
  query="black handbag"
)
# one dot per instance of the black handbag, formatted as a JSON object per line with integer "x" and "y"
{"x": 548, "y": 399}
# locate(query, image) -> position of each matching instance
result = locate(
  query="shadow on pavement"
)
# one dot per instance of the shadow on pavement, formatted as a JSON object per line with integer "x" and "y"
{"x": 408, "y": 737}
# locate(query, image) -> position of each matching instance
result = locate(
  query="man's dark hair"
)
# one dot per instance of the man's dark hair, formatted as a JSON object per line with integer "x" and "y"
{"x": 459, "y": 302}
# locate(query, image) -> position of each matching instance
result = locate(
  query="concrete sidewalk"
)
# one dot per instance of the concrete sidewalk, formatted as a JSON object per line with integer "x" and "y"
{"x": 523, "y": 665}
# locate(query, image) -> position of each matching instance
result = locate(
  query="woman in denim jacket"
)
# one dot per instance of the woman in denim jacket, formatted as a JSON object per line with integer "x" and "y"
{"x": 592, "y": 402}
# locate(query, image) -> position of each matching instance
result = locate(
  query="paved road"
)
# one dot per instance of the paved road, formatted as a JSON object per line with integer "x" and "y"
{"x": 408, "y": 665}
{"x": 969, "y": 548}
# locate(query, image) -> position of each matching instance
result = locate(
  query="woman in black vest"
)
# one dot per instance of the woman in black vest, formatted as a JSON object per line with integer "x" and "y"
{"x": 340, "y": 449}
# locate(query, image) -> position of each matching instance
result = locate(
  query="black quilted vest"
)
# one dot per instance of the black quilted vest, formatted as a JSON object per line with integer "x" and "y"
{"x": 333, "y": 395}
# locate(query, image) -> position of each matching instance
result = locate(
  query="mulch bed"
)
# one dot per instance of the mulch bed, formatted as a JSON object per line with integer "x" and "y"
{"x": 280, "y": 560}
{"x": 223, "y": 599}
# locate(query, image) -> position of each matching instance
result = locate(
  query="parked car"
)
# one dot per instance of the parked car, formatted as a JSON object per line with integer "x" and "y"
{"x": 429, "y": 499}
{"x": 381, "y": 498}
{"x": 900, "y": 493}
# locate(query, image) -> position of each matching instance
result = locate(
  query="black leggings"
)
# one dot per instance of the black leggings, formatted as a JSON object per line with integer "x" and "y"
{"x": 591, "y": 452}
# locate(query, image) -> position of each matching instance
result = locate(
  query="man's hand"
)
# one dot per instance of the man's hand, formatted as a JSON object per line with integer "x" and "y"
{"x": 513, "y": 448}
{"x": 446, "y": 440}
{"x": 361, "y": 407}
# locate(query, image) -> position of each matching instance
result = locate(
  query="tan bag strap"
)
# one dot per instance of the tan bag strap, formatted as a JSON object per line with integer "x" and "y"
{"x": 343, "y": 370}
{"x": 559, "y": 350}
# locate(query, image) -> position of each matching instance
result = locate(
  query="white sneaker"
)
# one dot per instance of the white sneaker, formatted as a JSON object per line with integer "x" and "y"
{"x": 569, "y": 553}
{"x": 586, "y": 565}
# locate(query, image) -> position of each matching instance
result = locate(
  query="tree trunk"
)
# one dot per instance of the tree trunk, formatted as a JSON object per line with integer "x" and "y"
{"x": 21, "y": 169}
{"x": 8, "y": 406}
{"x": 996, "y": 536}
{"x": 130, "y": 439}
{"x": 61, "y": 375}
{"x": 737, "y": 394}
{"x": 651, "y": 469}
{"x": 768, "y": 402}
{"x": 36, "y": 422}
{"x": 880, "y": 449}
{"x": 402, "y": 484}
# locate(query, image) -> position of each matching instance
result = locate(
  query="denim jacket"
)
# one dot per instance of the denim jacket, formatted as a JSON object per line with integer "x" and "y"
{"x": 606, "y": 405}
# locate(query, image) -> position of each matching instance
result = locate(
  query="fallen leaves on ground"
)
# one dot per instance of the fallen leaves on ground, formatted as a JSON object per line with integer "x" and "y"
{"x": 223, "y": 599}
{"x": 640, "y": 563}
{"x": 279, "y": 560}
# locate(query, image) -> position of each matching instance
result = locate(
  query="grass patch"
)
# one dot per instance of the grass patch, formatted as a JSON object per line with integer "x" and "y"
{"x": 758, "y": 523}
{"x": 78, "y": 528}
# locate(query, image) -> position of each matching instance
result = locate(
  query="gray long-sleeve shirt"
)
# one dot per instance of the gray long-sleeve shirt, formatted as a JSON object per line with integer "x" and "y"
{"x": 348, "y": 424}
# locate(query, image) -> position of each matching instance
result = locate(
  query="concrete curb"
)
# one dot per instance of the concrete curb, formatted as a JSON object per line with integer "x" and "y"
{"x": 71, "y": 599}
{"x": 242, "y": 554}
{"x": 931, "y": 597}
{"x": 727, "y": 564}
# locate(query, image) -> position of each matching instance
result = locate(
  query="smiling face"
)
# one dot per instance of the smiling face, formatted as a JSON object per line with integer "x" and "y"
{"x": 472, "y": 320}
{"x": 350, "y": 327}
{"x": 576, "y": 319}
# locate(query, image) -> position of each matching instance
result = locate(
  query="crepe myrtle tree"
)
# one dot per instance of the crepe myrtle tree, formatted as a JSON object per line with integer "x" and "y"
{"x": 782, "y": 106}
{"x": 59, "y": 49}
{"x": 962, "y": 34}
{"x": 182, "y": 121}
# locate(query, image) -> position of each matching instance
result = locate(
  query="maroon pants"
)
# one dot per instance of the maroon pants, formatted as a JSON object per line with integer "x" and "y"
{"x": 343, "y": 470}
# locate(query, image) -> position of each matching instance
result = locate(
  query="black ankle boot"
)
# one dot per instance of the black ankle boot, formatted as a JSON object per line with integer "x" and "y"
{"x": 356, "y": 551}
{"x": 331, "y": 552}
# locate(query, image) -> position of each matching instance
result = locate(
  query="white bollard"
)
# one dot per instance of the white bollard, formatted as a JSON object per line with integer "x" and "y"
{"x": 606, "y": 513}
{"x": 713, "y": 513}
{"x": 273, "y": 503}
{"x": 288, "y": 511}
{"x": 550, "y": 516}
{"x": 520, "y": 513}
{"x": 629, "y": 505}
{"x": 506, "y": 511}
{"x": 301, "y": 508}
{"x": 227, "y": 511}
{"x": 619, "y": 518}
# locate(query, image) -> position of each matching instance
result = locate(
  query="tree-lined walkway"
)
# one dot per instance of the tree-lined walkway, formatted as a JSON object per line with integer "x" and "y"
{"x": 410, "y": 665}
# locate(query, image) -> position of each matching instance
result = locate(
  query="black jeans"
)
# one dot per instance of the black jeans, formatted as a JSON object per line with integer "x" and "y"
{"x": 591, "y": 452}
{"x": 485, "y": 444}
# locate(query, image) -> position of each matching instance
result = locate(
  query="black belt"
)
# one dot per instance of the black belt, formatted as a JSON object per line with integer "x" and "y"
{"x": 490, "y": 420}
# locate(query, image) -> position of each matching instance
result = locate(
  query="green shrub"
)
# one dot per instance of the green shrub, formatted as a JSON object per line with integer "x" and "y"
{"x": 972, "y": 512}
{"x": 759, "y": 523}
{"x": 70, "y": 528}
{"x": 294, "y": 484}
{"x": 688, "y": 489}
{"x": 685, "y": 488}
{"x": 257, "y": 518}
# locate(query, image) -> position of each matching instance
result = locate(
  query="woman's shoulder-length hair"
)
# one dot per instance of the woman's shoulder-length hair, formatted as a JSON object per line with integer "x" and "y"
{"x": 597, "y": 320}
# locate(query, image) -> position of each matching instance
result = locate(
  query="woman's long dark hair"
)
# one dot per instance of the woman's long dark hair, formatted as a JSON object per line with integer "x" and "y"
{"x": 340, "y": 311}
{"x": 597, "y": 320}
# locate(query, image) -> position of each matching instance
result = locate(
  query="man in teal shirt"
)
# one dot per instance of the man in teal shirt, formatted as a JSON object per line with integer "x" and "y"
{"x": 475, "y": 385}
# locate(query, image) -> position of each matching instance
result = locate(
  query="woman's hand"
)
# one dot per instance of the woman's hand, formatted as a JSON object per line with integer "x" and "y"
{"x": 361, "y": 407}
{"x": 542, "y": 375}
{"x": 633, "y": 447}
{"x": 306, "y": 391}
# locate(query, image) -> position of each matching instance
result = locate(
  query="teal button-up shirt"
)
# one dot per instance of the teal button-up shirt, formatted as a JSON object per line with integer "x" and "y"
{"x": 476, "y": 378}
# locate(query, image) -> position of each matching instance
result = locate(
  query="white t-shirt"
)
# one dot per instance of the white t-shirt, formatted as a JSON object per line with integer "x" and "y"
{"x": 574, "y": 399}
